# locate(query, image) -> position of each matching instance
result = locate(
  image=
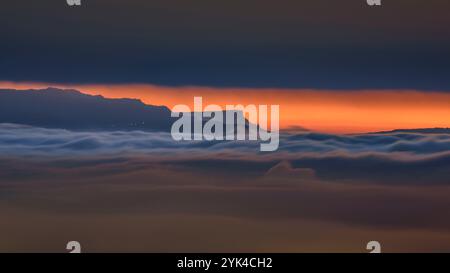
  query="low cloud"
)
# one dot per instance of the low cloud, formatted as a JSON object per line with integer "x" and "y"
{"x": 357, "y": 184}
{"x": 389, "y": 158}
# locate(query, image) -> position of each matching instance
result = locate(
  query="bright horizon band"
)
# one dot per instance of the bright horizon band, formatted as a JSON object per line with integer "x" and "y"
{"x": 327, "y": 111}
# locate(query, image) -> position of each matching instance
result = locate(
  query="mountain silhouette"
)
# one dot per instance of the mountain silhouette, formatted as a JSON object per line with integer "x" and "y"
{"x": 419, "y": 131}
{"x": 73, "y": 110}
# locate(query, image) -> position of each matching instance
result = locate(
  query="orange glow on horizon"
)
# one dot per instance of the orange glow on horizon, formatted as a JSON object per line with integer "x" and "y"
{"x": 319, "y": 110}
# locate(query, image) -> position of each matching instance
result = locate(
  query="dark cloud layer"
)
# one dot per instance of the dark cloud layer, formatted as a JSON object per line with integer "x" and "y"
{"x": 319, "y": 44}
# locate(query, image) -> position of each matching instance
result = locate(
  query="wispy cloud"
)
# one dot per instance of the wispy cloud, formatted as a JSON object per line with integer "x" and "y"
{"x": 394, "y": 158}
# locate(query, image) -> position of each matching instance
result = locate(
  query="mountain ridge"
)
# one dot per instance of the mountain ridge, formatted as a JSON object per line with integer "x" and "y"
{"x": 436, "y": 130}
{"x": 72, "y": 109}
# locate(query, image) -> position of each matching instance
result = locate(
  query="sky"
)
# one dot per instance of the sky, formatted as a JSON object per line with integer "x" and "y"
{"x": 333, "y": 66}
{"x": 252, "y": 43}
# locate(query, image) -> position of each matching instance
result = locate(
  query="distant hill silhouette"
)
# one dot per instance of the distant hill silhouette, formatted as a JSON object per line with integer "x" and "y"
{"x": 420, "y": 131}
{"x": 71, "y": 109}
